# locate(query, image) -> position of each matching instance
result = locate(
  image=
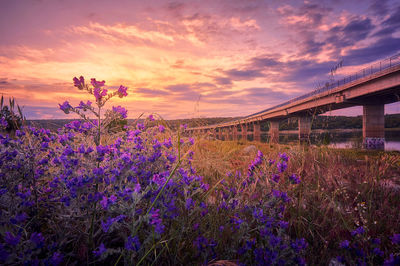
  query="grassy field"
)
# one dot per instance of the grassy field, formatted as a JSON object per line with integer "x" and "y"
{"x": 340, "y": 190}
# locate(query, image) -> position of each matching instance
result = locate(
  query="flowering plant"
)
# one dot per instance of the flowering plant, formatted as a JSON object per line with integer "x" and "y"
{"x": 75, "y": 196}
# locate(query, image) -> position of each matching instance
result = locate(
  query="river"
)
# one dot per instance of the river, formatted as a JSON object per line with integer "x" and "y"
{"x": 343, "y": 138}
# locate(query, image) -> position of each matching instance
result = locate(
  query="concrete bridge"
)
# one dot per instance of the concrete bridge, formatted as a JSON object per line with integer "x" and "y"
{"x": 371, "y": 87}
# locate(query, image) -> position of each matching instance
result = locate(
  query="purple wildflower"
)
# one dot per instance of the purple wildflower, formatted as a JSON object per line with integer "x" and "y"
{"x": 79, "y": 83}
{"x": 100, "y": 250}
{"x": 99, "y": 93}
{"x": 132, "y": 243}
{"x": 392, "y": 260}
{"x": 37, "y": 238}
{"x": 104, "y": 202}
{"x": 161, "y": 128}
{"x": 10, "y": 239}
{"x": 201, "y": 243}
{"x": 294, "y": 179}
{"x": 360, "y": 230}
{"x": 3, "y": 122}
{"x": 275, "y": 177}
{"x": 121, "y": 110}
{"x": 113, "y": 199}
{"x": 299, "y": 245}
{"x": 122, "y": 91}
{"x": 281, "y": 166}
{"x": 3, "y": 253}
{"x": 137, "y": 188}
{"x": 84, "y": 106}
{"x": 65, "y": 107}
{"x": 344, "y": 244}
{"x": 189, "y": 203}
{"x": 56, "y": 259}
{"x": 107, "y": 224}
{"x": 395, "y": 239}
{"x": 284, "y": 157}
{"x": 283, "y": 224}
{"x": 196, "y": 226}
{"x": 378, "y": 252}
{"x": 97, "y": 84}
{"x": 156, "y": 221}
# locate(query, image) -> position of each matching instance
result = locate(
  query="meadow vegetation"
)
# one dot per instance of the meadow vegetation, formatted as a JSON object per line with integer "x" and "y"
{"x": 106, "y": 193}
{"x": 340, "y": 191}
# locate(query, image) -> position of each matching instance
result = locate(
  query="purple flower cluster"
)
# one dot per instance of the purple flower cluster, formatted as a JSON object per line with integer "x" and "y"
{"x": 79, "y": 83}
{"x": 120, "y": 110}
{"x": 65, "y": 107}
{"x": 3, "y": 122}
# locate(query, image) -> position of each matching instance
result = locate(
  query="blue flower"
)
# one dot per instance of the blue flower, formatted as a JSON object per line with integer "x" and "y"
{"x": 294, "y": 179}
{"x": 132, "y": 243}
{"x": 65, "y": 107}
{"x": 100, "y": 251}
{"x": 10, "y": 239}
{"x": 284, "y": 157}
{"x": 344, "y": 244}
{"x": 395, "y": 239}
{"x": 359, "y": 231}
{"x": 38, "y": 239}
{"x": 281, "y": 166}
{"x": 56, "y": 259}
{"x": 120, "y": 110}
{"x": 189, "y": 203}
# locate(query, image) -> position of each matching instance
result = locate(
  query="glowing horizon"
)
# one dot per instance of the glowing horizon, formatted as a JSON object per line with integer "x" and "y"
{"x": 191, "y": 58}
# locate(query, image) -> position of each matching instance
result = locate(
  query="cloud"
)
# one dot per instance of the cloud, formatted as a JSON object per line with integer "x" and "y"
{"x": 244, "y": 74}
{"x": 124, "y": 32}
{"x": 379, "y": 7}
{"x": 223, "y": 81}
{"x": 394, "y": 19}
{"x": 265, "y": 93}
{"x": 390, "y": 25}
{"x": 382, "y": 48}
{"x": 150, "y": 92}
{"x": 3, "y": 81}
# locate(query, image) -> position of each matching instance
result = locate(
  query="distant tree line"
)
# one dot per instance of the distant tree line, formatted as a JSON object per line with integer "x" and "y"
{"x": 318, "y": 122}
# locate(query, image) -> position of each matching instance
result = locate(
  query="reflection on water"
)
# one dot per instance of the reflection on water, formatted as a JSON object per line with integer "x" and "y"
{"x": 347, "y": 139}
{"x": 389, "y": 145}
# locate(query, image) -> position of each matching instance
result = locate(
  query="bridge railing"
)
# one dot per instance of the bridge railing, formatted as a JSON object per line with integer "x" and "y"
{"x": 372, "y": 69}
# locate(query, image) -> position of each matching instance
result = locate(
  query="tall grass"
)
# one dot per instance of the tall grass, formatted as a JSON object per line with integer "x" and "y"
{"x": 340, "y": 191}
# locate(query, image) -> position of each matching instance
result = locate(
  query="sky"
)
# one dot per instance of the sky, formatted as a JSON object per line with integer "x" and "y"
{"x": 185, "y": 59}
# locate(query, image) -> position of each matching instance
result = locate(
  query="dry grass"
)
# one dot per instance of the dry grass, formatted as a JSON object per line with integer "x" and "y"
{"x": 340, "y": 190}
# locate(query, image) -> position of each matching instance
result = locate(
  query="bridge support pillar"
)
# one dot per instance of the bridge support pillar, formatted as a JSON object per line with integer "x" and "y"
{"x": 244, "y": 131}
{"x": 226, "y": 133}
{"x": 212, "y": 133}
{"x": 235, "y": 133}
{"x": 274, "y": 131}
{"x": 374, "y": 126}
{"x": 304, "y": 128}
{"x": 256, "y": 131}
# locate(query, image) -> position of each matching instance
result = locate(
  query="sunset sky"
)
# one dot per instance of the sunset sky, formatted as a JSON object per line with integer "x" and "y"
{"x": 188, "y": 59}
